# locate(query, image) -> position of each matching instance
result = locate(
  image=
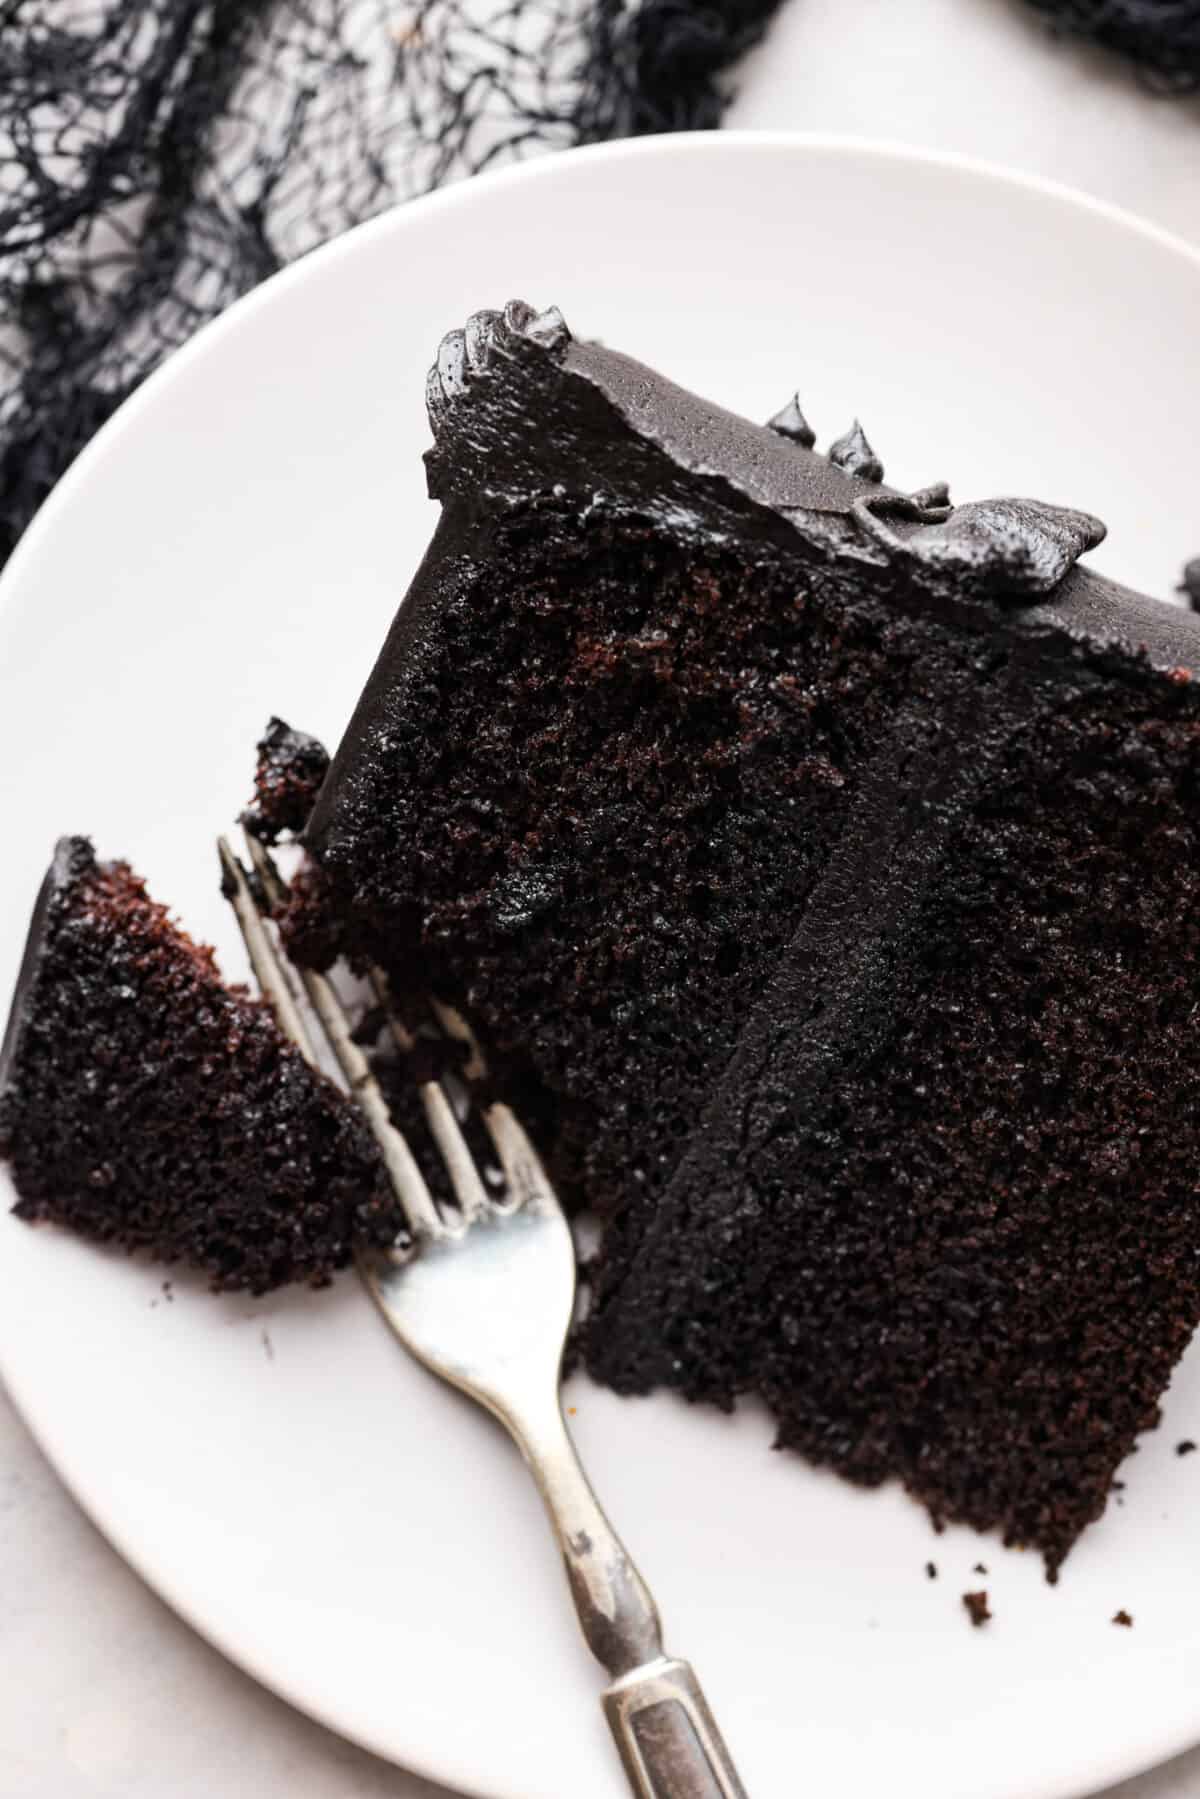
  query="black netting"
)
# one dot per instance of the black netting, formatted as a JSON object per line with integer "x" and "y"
{"x": 1161, "y": 36}
{"x": 158, "y": 159}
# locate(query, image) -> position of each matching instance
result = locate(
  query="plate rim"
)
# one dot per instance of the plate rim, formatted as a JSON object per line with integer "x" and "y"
{"x": 1157, "y": 1747}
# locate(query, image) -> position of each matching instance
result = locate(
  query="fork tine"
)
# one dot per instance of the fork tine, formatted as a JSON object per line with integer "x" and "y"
{"x": 267, "y": 969}
{"x": 527, "y": 1180}
{"x": 408, "y": 1183}
{"x": 444, "y": 1127}
{"x": 455, "y": 1026}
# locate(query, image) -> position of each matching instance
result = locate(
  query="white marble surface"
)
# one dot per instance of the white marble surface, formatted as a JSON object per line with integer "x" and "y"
{"x": 108, "y": 1695}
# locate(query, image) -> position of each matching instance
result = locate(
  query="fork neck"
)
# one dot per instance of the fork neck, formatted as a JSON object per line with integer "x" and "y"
{"x": 617, "y": 1615}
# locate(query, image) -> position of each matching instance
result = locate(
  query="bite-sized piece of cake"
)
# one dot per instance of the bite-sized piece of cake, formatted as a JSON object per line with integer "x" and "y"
{"x": 820, "y": 865}
{"x": 288, "y": 774}
{"x": 145, "y": 1104}
{"x": 291, "y": 766}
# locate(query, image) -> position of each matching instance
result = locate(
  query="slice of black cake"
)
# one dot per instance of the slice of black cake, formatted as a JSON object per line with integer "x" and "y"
{"x": 143, "y": 1103}
{"x": 819, "y": 864}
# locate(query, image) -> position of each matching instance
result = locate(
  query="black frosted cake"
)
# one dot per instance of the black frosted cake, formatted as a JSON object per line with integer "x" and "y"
{"x": 820, "y": 866}
{"x": 144, "y": 1104}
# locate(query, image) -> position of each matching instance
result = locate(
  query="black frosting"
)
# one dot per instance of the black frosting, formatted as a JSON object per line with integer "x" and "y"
{"x": 1190, "y": 584}
{"x": 791, "y": 423}
{"x": 518, "y": 406}
{"x": 71, "y": 856}
{"x": 854, "y": 454}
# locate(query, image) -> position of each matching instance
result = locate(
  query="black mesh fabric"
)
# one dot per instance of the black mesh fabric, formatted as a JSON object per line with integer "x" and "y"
{"x": 1161, "y": 36}
{"x": 160, "y": 157}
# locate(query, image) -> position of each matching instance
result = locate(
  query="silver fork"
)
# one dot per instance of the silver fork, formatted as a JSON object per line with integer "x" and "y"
{"x": 484, "y": 1296}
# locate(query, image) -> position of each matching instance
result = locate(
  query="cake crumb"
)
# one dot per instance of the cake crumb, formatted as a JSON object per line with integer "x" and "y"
{"x": 931, "y": 1570}
{"x": 1187, "y": 1447}
{"x": 291, "y": 767}
{"x": 979, "y": 1568}
{"x": 167, "y": 1293}
{"x": 1123, "y": 1617}
{"x": 977, "y": 1608}
{"x": 267, "y": 1344}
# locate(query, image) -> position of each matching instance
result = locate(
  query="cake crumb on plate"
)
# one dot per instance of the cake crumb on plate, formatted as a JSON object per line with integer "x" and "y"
{"x": 977, "y": 1608}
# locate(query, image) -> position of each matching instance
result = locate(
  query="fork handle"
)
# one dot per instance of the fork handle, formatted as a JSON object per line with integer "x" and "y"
{"x": 667, "y": 1737}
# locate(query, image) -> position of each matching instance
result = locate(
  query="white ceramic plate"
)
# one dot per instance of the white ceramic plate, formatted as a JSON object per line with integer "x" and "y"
{"x": 235, "y": 543}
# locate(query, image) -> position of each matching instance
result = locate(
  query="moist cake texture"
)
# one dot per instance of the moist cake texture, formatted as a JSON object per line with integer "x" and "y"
{"x": 143, "y": 1103}
{"x": 819, "y": 865}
